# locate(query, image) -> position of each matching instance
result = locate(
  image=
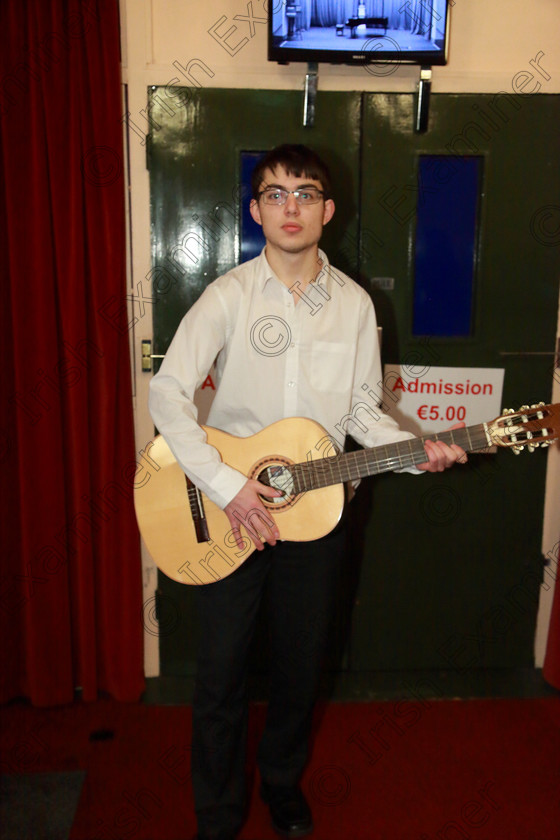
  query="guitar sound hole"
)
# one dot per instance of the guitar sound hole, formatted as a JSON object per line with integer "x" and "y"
{"x": 278, "y": 476}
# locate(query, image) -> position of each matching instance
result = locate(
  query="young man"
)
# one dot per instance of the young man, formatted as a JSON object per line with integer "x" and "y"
{"x": 291, "y": 337}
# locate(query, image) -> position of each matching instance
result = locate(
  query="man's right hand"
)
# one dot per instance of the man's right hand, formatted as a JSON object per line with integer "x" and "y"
{"x": 248, "y": 510}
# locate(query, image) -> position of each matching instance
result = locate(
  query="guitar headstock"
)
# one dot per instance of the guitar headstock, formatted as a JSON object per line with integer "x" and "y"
{"x": 530, "y": 427}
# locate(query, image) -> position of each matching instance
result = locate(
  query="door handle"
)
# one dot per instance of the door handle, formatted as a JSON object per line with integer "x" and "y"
{"x": 147, "y": 355}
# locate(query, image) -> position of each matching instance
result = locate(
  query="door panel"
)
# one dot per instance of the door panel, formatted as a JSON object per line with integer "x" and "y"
{"x": 196, "y": 194}
{"x": 452, "y": 563}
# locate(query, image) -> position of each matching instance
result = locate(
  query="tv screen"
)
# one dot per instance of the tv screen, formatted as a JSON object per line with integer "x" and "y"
{"x": 362, "y": 32}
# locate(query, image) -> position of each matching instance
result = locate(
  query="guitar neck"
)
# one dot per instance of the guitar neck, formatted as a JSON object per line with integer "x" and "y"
{"x": 349, "y": 466}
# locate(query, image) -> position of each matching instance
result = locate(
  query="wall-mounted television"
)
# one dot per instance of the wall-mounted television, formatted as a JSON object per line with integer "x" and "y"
{"x": 359, "y": 32}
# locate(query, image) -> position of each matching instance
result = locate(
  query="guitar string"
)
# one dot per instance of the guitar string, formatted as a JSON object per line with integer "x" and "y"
{"x": 349, "y": 465}
{"x": 309, "y": 475}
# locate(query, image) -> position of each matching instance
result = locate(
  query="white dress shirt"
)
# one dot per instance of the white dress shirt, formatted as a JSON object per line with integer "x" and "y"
{"x": 316, "y": 357}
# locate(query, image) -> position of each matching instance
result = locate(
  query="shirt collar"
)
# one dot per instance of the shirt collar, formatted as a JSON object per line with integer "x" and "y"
{"x": 265, "y": 274}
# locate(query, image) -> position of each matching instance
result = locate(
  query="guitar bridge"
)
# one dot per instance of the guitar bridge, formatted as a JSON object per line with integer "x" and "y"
{"x": 197, "y": 512}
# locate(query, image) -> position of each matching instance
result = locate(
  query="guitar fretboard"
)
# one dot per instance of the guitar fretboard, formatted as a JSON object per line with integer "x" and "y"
{"x": 348, "y": 466}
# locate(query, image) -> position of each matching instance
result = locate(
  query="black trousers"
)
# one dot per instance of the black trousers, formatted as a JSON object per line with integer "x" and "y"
{"x": 299, "y": 582}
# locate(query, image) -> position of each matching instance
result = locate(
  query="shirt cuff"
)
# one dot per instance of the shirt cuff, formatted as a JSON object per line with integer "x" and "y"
{"x": 226, "y": 484}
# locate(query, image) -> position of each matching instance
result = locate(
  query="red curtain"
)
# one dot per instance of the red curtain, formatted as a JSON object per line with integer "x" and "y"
{"x": 70, "y": 589}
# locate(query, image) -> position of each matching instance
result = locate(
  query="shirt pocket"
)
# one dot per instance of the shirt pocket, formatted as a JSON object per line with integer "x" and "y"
{"x": 332, "y": 366}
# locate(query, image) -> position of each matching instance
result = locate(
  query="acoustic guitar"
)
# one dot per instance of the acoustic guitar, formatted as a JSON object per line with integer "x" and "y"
{"x": 190, "y": 539}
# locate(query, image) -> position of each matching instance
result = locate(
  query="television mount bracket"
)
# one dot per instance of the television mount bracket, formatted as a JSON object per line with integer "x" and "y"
{"x": 310, "y": 94}
{"x": 423, "y": 100}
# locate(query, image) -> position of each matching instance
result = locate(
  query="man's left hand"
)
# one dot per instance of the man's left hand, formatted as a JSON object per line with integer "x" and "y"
{"x": 441, "y": 456}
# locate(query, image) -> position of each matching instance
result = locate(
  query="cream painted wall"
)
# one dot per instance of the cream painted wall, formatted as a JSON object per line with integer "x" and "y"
{"x": 551, "y": 527}
{"x": 491, "y": 41}
{"x": 492, "y": 45}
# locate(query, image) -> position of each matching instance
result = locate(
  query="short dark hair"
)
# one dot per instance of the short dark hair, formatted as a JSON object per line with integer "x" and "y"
{"x": 298, "y": 160}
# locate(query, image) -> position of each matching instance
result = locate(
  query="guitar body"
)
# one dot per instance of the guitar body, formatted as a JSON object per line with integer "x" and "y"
{"x": 190, "y": 538}
{"x": 165, "y": 516}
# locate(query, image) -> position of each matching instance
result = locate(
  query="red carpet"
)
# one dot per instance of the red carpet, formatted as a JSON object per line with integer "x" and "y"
{"x": 426, "y": 770}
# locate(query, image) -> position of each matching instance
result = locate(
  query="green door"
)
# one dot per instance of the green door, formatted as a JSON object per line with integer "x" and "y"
{"x": 195, "y": 149}
{"x": 453, "y": 592}
{"x": 452, "y": 569}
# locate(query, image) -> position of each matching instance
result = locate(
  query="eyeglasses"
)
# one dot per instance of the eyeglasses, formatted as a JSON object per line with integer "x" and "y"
{"x": 307, "y": 195}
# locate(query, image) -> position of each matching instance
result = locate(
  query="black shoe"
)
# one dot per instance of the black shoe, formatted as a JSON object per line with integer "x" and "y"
{"x": 289, "y": 810}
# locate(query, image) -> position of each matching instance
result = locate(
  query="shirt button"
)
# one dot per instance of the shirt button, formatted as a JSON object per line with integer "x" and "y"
{"x": 293, "y": 344}
{"x": 291, "y": 384}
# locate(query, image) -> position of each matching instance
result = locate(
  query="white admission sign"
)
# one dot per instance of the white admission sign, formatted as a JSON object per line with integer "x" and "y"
{"x": 431, "y": 399}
